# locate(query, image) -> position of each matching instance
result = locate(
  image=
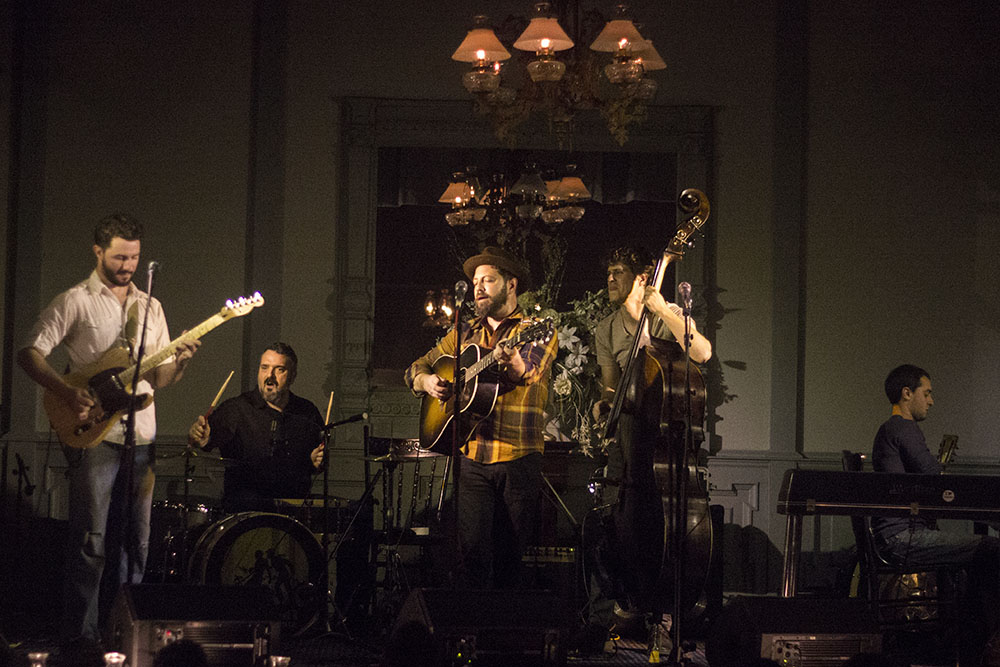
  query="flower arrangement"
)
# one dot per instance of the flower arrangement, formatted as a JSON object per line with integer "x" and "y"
{"x": 576, "y": 377}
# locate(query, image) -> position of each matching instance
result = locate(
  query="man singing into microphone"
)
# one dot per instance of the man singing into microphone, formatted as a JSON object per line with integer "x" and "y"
{"x": 500, "y": 470}
{"x": 273, "y": 436}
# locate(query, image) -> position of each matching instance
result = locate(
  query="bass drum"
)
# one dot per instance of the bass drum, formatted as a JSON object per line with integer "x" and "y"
{"x": 268, "y": 550}
{"x": 174, "y": 529}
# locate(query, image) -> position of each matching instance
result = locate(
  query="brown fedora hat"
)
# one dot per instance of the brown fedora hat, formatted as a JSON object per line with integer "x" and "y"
{"x": 500, "y": 258}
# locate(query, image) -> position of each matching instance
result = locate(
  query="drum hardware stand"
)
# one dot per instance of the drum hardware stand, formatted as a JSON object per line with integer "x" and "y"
{"x": 558, "y": 501}
{"x": 25, "y": 489}
{"x": 329, "y": 555}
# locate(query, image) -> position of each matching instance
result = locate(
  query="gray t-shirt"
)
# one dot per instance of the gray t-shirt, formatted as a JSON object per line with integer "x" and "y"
{"x": 614, "y": 334}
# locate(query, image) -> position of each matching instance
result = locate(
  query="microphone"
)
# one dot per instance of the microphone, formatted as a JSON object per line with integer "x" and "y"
{"x": 461, "y": 287}
{"x": 684, "y": 290}
{"x": 154, "y": 266}
{"x": 353, "y": 418}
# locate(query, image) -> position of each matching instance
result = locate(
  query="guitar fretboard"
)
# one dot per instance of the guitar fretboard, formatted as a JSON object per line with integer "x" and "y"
{"x": 154, "y": 360}
{"x": 489, "y": 359}
{"x": 535, "y": 331}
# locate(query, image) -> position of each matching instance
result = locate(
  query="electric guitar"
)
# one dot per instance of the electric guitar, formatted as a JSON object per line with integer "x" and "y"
{"x": 479, "y": 390}
{"x": 109, "y": 381}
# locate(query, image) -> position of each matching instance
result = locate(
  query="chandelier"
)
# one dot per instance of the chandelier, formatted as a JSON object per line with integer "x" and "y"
{"x": 502, "y": 204}
{"x": 527, "y": 215}
{"x": 560, "y": 87}
{"x": 438, "y": 309}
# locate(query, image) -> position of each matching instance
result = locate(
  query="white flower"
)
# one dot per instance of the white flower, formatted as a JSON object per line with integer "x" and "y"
{"x": 568, "y": 338}
{"x": 562, "y": 385}
{"x": 577, "y": 358}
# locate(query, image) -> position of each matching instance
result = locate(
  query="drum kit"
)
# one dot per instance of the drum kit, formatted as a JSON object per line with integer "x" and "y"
{"x": 287, "y": 551}
{"x": 195, "y": 542}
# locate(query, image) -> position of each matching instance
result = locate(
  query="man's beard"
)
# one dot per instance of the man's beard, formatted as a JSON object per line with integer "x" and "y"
{"x": 494, "y": 305}
{"x": 271, "y": 391}
{"x": 120, "y": 279}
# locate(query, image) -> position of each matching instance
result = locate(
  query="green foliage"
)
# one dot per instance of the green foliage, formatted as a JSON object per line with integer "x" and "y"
{"x": 576, "y": 377}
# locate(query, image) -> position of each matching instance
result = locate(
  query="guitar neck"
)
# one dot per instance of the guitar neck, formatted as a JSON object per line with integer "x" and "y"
{"x": 154, "y": 360}
{"x": 490, "y": 359}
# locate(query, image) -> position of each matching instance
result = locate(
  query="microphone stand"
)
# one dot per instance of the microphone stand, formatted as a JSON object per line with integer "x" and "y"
{"x": 680, "y": 486}
{"x": 458, "y": 387}
{"x": 128, "y": 453}
{"x": 325, "y": 542}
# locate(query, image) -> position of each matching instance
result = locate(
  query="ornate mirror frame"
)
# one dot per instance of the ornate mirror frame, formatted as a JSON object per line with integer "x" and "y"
{"x": 368, "y": 124}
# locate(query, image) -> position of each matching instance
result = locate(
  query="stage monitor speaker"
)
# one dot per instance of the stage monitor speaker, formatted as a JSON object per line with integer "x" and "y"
{"x": 233, "y": 624}
{"x": 794, "y": 632}
{"x": 438, "y": 627}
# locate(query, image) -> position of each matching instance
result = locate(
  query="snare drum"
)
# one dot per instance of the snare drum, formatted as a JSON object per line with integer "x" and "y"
{"x": 268, "y": 550}
{"x": 174, "y": 529}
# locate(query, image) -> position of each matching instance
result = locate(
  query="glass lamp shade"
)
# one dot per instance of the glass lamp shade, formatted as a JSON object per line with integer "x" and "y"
{"x": 650, "y": 57}
{"x": 623, "y": 70}
{"x": 546, "y": 69}
{"x": 444, "y": 305}
{"x": 552, "y": 191}
{"x": 457, "y": 193}
{"x": 455, "y": 218}
{"x": 543, "y": 35}
{"x": 481, "y": 80}
{"x": 571, "y": 187}
{"x": 530, "y": 186}
{"x": 480, "y": 43}
{"x": 553, "y": 216}
{"x": 616, "y": 30}
{"x": 528, "y": 211}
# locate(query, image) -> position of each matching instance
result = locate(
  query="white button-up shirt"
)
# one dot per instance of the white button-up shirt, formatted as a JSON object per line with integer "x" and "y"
{"x": 88, "y": 320}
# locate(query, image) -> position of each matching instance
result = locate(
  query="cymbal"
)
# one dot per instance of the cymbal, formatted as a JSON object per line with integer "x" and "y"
{"x": 197, "y": 453}
{"x": 314, "y": 500}
{"x": 402, "y": 458}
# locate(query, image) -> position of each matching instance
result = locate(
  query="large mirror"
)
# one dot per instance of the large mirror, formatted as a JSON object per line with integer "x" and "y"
{"x": 418, "y": 254}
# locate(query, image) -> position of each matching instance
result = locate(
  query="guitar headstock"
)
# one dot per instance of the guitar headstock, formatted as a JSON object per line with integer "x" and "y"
{"x": 540, "y": 332}
{"x": 947, "y": 448}
{"x": 241, "y": 306}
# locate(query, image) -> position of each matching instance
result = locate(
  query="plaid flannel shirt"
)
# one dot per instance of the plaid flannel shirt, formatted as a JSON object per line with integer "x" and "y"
{"x": 514, "y": 428}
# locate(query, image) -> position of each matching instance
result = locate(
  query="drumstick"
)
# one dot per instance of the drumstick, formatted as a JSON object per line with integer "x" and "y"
{"x": 328, "y": 406}
{"x": 219, "y": 395}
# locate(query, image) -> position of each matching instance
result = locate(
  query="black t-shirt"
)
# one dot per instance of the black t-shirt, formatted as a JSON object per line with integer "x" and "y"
{"x": 270, "y": 448}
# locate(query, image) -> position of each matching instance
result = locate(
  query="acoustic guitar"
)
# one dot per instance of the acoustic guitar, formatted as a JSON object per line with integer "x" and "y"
{"x": 479, "y": 390}
{"x": 109, "y": 381}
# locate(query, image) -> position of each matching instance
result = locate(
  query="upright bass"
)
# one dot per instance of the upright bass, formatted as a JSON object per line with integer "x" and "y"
{"x": 661, "y": 519}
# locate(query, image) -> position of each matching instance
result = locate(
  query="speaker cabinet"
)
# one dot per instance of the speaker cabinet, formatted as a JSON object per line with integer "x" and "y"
{"x": 794, "y": 632}
{"x": 446, "y": 627}
{"x": 233, "y": 624}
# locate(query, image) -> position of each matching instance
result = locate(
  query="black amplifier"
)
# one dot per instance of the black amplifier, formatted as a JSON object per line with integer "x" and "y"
{"x": 235, "y": 625}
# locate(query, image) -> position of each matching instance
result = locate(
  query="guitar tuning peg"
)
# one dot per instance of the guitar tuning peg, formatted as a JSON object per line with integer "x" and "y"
{"x": 229, "y": 303}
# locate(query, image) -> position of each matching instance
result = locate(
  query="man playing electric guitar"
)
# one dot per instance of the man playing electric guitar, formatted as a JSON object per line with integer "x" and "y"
{"x": 104, "y": 311}
{"x": 500, "y": 469}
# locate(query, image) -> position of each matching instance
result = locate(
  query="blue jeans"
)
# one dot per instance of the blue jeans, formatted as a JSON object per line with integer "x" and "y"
{"x": 498, "y": 513}
{"x": 923, "y": 547}
{"x": 96, "y": 559}
{"x": 979, "y": 556}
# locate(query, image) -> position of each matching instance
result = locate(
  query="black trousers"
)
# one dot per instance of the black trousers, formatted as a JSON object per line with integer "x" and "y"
{"x": 498, "y": 512}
